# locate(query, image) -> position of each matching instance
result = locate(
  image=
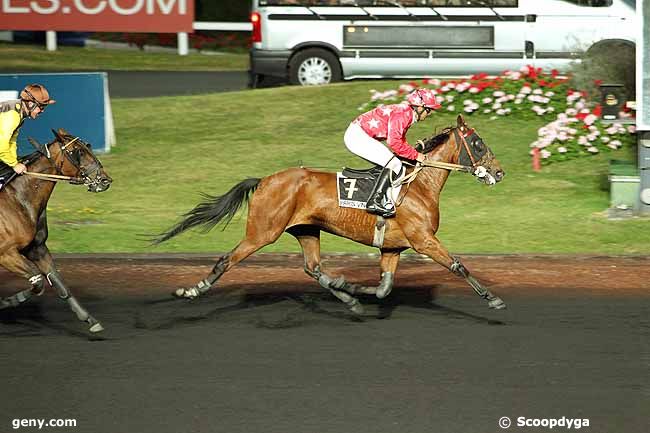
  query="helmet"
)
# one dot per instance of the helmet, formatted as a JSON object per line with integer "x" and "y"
{"x": 424, "y": 98}
{"x": 36, "y": 93}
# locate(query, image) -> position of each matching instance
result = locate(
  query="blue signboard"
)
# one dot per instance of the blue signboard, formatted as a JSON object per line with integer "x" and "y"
{"x": 82, "y": 108}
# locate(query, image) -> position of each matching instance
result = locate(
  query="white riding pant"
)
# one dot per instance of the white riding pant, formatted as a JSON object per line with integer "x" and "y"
{"x": 363, "y": 145}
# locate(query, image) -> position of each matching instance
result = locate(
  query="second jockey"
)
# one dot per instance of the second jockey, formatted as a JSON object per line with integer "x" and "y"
{"x": 390, "y": 123}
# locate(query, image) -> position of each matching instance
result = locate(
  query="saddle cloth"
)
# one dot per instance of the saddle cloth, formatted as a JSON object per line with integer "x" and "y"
{"x": 355, "y": 186}
{"x": 6, "y": 174}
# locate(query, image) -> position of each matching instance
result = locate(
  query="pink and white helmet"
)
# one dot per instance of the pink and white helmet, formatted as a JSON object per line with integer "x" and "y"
{"x": 424, "y": 98}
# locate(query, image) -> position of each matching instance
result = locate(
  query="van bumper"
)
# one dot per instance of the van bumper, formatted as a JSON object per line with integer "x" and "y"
{"x": 267, "y": 62}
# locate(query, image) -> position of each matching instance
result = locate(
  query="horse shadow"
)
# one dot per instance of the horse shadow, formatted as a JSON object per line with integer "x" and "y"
{"x": 282, "y": 306}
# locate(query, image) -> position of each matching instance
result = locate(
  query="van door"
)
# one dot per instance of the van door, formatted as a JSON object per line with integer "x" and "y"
{"x": 563, "y": 30}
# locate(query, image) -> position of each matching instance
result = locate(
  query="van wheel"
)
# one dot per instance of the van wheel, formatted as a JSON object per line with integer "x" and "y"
{"x": 314, "y": 66}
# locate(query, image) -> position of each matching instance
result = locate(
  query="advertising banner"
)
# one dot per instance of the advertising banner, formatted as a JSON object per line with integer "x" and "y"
{"x": 153, "y": 16}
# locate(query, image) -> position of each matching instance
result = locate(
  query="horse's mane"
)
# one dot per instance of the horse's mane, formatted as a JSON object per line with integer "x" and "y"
{"x": 435, "y": 141}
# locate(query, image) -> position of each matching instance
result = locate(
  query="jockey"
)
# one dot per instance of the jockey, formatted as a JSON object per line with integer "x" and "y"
{"x": 34, "y": 98}
{"x": 390, "y": 123}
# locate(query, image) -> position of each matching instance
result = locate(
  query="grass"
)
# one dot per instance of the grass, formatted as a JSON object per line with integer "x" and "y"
{"x": 34, "y": 58}
{"x": 170, "y": 149}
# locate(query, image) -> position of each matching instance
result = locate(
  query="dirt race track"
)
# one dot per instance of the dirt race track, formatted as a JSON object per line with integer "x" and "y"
{"x": 271, "y": 353}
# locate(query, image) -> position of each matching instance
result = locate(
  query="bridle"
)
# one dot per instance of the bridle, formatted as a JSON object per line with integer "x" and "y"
{"x": 85, "y": 176}
{"x": 461, "y": 139}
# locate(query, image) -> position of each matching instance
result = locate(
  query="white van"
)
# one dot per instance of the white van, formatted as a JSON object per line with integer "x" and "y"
{"x": 321, "y": 41}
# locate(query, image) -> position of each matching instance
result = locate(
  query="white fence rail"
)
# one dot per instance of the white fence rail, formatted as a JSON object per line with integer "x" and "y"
{"x": 182, "y": 38}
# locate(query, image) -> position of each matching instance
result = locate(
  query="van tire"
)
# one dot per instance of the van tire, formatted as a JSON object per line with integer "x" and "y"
{"x": 314, "y": 66}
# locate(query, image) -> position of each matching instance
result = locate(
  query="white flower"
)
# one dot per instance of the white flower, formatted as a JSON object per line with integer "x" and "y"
{"x": 571, "y": 112}
{"x": 545, "y": 153}
{"x": 473, "y": 90}
{"x": 449, "y": 98}
{"x": 611, "y": 130}
{"x": 631, "y": 129}
{"x": 451, "y": 85}
{"x": 537, "y": 92}
{"x": 434, "y": 82}
{"x": 468, "y": 109}
{"x": 525, "y": 90}
{"x": 511, "y": 97}
{"x": 562, "y": 117}
{"x": 451, "y": 108}
{"x": 444, "y": 89}
{"x": 562, "y": 149}
{"x": 501, "y": 112}
{"x": 612, "y": 146}
{"x": 592, "y": 149}
{"x": 605, "y": 139}
{"x": 518, "y": 101}
{"x": 498, "y": 93}
{"x": 616, "y": 143}
{"x": 487, "y": 100}
{"x": 590, "y": 119}
{"x": 486, "y": 111}
{"x": 579, "y": 105}
{"x": 549, "y": 94}
{"x": 468, "y": 102}
{"x": 496, "y": 106}
{"x": 550, "y": 109}
{"x": 582, "y": 140}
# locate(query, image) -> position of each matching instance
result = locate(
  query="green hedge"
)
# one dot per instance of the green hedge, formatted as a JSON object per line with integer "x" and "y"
{"x": 222, "y": 10}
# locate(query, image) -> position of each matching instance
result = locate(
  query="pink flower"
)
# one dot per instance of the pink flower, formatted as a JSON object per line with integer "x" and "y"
{"x": 590, "y": 119}
{"x": 545, "y": 154}
{"x": 631, "y": 129}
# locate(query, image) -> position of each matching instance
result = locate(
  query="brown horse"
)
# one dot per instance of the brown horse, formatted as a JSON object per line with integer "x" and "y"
{"x": 303, "y": 202}
{"x": 23, "y": 219}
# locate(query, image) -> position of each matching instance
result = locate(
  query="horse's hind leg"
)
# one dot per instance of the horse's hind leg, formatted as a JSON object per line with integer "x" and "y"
{"x": 14, "y": 262}
{"x": 388, "y": 263}
{"x": 256, "y": 238}
{"x": 41, "y": 256}
{"x": 309, "y": 239}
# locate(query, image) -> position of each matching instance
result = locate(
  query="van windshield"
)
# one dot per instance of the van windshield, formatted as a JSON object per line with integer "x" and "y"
{"x": 392, "y": 3}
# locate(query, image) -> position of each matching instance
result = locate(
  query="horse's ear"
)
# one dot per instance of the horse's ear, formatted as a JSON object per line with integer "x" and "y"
{"x": 460, "y": 123}
{"x": 57, "y": 134}
{"x": 38, "y": 146}
{"x": 63, "y": 132}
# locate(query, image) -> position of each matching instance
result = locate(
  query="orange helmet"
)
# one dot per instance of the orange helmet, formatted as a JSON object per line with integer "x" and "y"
{"x": 36, "y": 93}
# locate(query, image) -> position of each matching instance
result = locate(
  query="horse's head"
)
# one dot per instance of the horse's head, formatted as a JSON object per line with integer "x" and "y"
{"x": 74, "y": 157}
{"x": 468, "y": 149}
{"x": 474, "y": 153}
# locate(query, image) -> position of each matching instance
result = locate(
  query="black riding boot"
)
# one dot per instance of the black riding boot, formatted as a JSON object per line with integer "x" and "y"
{"x": 378, "y": 197}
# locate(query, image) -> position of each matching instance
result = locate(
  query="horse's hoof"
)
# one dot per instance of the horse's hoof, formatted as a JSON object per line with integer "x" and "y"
{"x": 97, "y": 327}
{"x": 497, "y": 304}
{"x": 186, "y": 293}
{"x": 357, "y": 308}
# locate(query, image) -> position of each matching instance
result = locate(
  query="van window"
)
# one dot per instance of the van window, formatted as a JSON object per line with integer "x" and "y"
{"x": 407, "y": 3}
{"x": 591, "y": 3}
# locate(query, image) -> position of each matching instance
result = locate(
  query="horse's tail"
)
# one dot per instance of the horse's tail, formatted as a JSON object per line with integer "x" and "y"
{"x": 212, "y": 210}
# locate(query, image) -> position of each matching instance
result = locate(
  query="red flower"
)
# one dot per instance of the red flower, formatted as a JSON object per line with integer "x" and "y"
{"x": 554, "y": 73}
{"x": 598, "y": 82}
{"x": 542, "y": 83}
{"x": 597, "y": 111}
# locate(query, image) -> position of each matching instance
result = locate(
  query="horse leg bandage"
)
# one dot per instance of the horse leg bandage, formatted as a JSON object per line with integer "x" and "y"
{"x": 385, "y": 285}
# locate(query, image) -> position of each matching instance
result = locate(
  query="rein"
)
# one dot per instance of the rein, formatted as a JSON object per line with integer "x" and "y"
{"x": 55, "y": 177}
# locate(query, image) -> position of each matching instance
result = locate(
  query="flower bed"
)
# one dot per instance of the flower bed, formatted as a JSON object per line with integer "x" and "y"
{"x": 575, "y": 128}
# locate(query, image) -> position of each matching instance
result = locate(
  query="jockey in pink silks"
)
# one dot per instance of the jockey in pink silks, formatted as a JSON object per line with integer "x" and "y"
{"x": 390, "y": 123}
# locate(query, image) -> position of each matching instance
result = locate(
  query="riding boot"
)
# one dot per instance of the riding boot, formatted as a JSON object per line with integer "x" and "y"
{"x": 378, "y": 198}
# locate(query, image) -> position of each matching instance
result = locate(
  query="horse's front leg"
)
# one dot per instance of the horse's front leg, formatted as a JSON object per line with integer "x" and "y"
{"x": 40, "y": 255}
{"x": 432, "y": 247}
